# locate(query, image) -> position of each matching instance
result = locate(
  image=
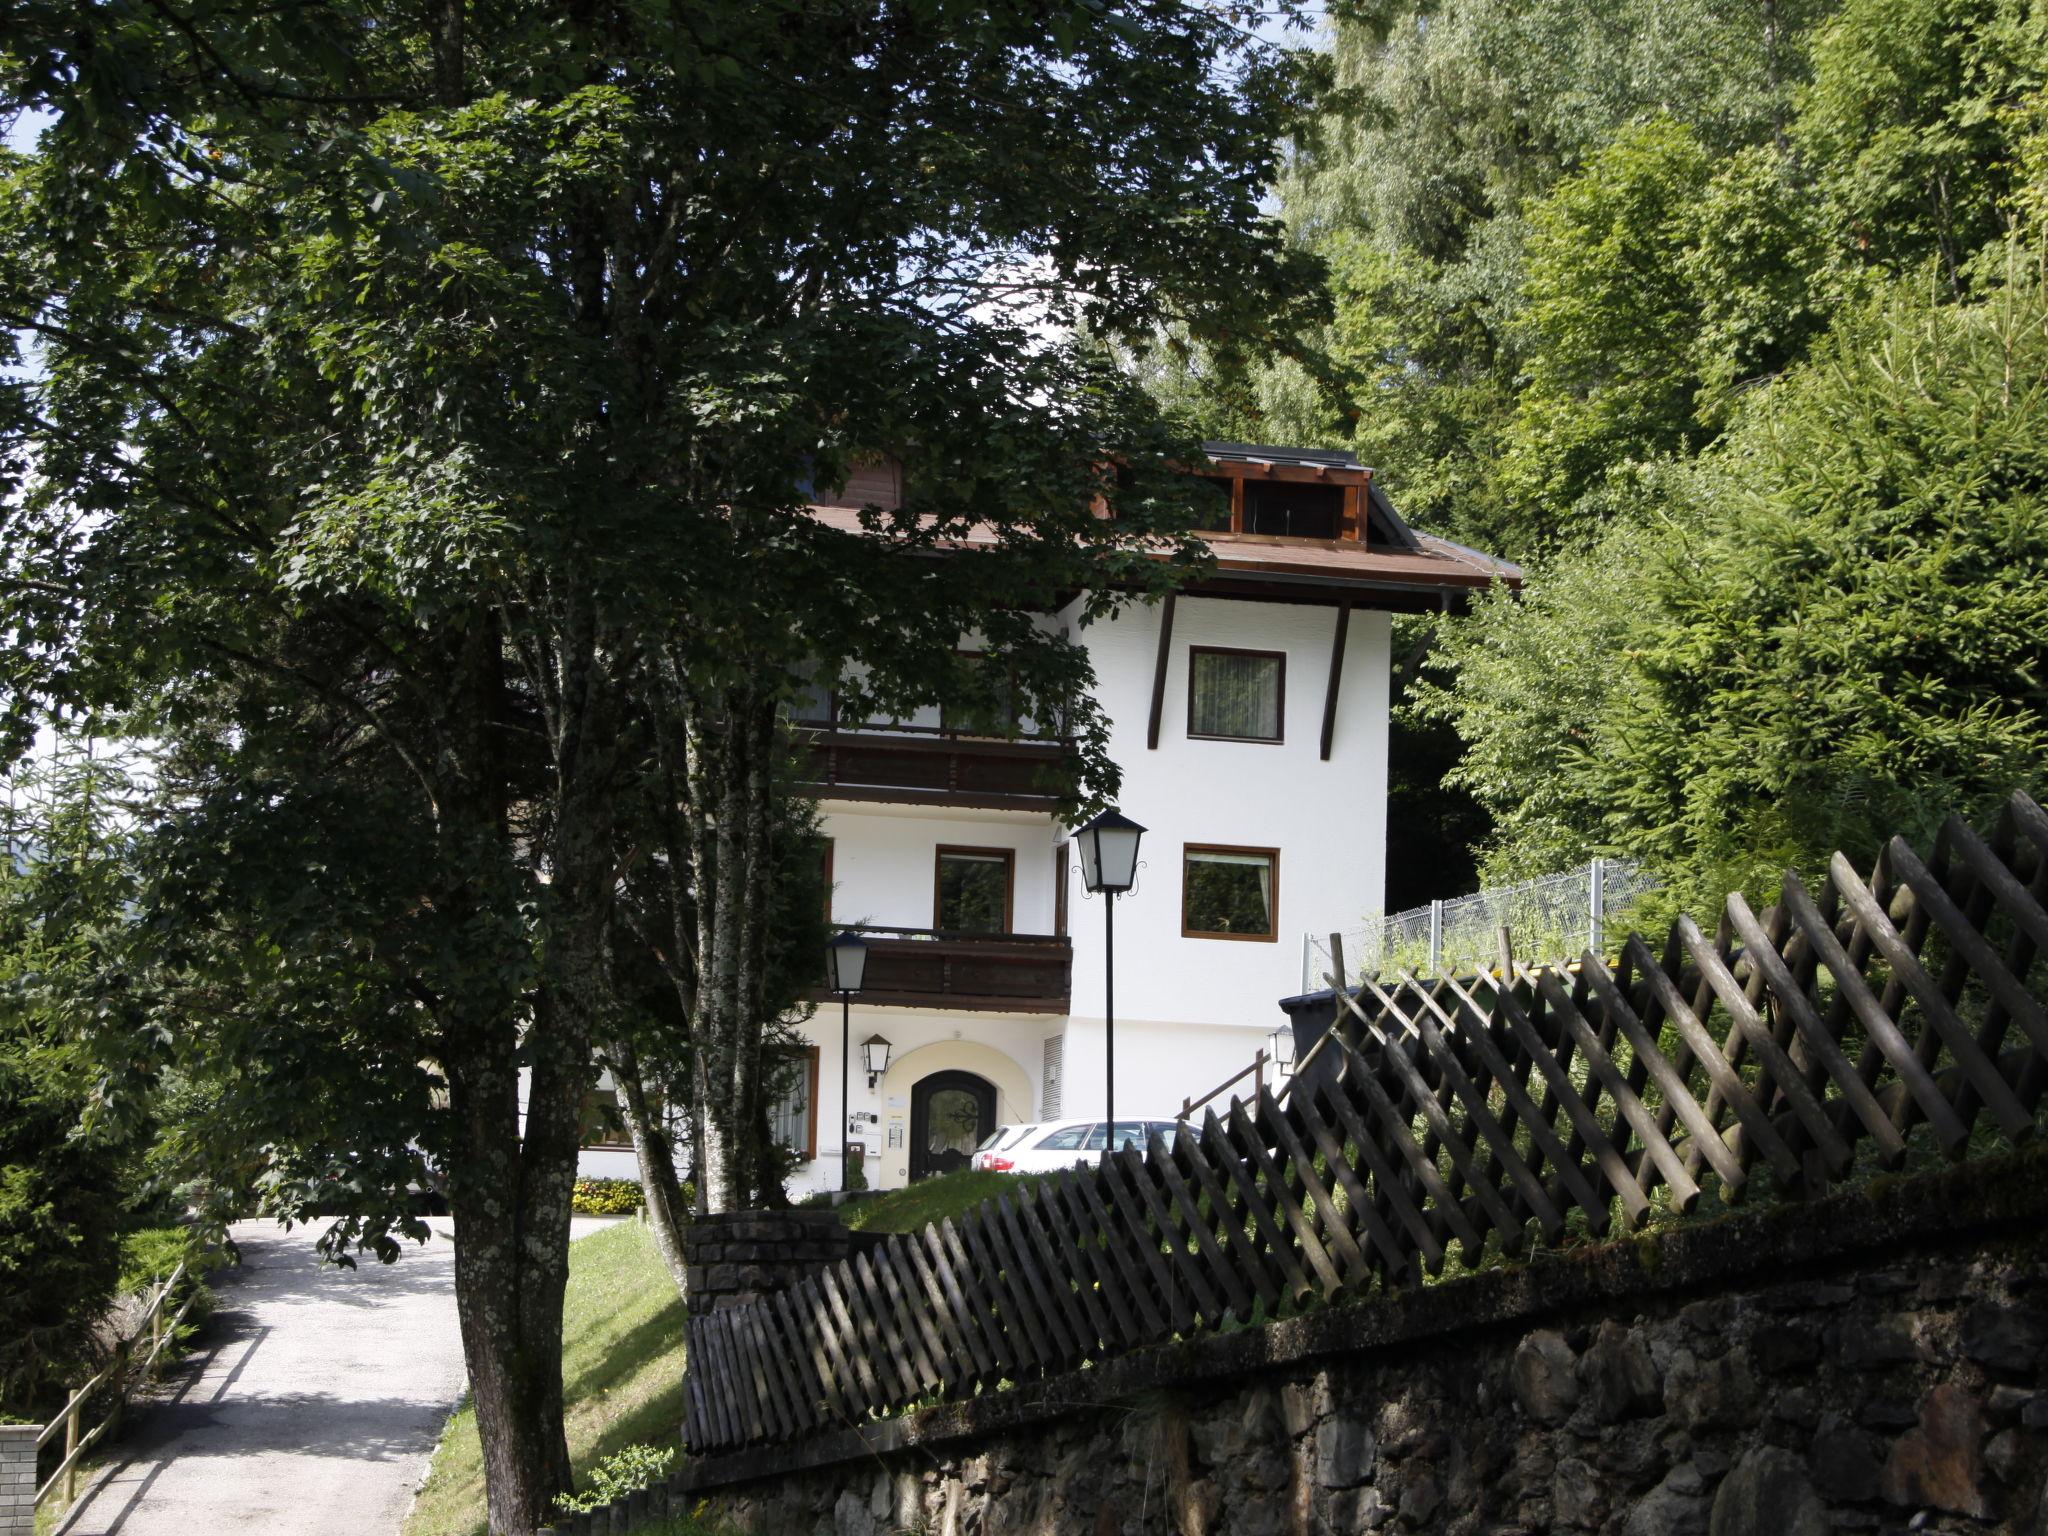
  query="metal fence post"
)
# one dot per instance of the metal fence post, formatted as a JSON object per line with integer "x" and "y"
{"x": 1596, "y": 898}
{"x": 1436, "y": 938}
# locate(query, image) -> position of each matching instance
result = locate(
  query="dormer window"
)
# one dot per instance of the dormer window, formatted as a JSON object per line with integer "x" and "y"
{"x": 1290, "y": 510}
{"x": 1311, "y": 494}
{"x": 875, "y": 481}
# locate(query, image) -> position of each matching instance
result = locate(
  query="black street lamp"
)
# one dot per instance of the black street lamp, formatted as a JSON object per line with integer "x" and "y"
{"x": 1109, "y": 866}
{"x": 846, "y": 963}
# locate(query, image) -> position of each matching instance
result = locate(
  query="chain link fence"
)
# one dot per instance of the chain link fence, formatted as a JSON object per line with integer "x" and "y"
{"x": 1550, "y": 920}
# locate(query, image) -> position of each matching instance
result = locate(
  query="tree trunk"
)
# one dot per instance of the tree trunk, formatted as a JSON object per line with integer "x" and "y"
{"x": 510, "y": 1277}
{"x": 509, "y": 1195}
{"x": 655, "y": 1153}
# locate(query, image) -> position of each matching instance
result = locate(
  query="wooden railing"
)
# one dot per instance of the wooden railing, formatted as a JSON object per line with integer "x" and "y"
{"x": 1001, "y": 972}
{"x": 1256, "y": 1072}
{"x": 1830, "y": 1035}
{"x": 932, "y": 765}
{"x": 118, "y": 1373}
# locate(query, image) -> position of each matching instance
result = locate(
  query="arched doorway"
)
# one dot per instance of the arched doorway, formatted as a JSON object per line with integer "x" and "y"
{"x": 951, "y": 1113}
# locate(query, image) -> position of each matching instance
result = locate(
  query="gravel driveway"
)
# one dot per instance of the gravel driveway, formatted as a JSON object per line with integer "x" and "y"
{"x": 312, "y": 1407}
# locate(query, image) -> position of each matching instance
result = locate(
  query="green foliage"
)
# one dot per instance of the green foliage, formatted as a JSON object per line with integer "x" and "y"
{"x": 1580, "y": 253}
{"x": 1526, "y": 682}
{"x": 605, "y": 1197}
{"x": 1856, "y": 648}
{"x": 623, "y": 1472}
{"x": 1609, "y": 317}
{"x": 1908, "y": 125}
{"x": 150, "y": 1254}
{"x": 1828, "y": 632}
{"x": 65, "y": 1181}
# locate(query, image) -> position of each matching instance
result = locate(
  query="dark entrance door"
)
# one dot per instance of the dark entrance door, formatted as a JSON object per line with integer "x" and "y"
{"x": 951, "y": 1113}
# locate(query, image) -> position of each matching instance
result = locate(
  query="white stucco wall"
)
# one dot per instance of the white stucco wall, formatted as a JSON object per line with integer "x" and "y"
{"x": 1328, "y": 819}
{"x": 884, "y": 860}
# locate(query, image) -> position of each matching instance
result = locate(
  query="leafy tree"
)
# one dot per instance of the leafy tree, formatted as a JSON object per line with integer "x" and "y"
{"x": 1609, "y": 317}
{"x": 64, "y": 1181}
{"x": 1830, "y": 632}
{"x": 1526, "y": 680}
{"x": 1856, "y": 648}
{"x": 425, "y": 397}
{"x": 1907, "y": 127}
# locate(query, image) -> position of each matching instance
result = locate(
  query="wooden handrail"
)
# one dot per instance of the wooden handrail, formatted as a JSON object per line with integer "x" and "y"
{"x": 1256, "y": 1072}
{"x": 75, "y": 1444}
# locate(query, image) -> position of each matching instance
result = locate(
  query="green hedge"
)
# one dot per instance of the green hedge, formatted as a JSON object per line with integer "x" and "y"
{"x": 606, "y": 1197}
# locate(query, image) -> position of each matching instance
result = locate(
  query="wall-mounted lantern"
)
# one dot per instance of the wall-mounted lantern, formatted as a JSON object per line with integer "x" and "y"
{"x": 876, "y": 1050}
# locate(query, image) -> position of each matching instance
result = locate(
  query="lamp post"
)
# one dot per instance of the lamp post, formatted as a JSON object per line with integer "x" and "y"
{"x": 1109, "y": 867}
{"x": 846, "y": 963}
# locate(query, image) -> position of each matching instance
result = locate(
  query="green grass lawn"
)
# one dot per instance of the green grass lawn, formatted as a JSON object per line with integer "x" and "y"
{"x": 622, "y": 1375}
{"x": 913, "y": 1207}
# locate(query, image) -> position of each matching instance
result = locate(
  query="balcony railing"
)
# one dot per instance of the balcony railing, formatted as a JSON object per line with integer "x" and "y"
{"x": 987, "y": 972}
{"x": 929, "y": 765}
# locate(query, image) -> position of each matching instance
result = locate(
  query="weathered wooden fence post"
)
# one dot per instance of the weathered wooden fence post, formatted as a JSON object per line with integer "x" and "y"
{"x": 71, "y": 1446}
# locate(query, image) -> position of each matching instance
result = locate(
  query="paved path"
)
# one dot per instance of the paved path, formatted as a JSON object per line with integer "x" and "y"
{"x": 312, "y": 1407}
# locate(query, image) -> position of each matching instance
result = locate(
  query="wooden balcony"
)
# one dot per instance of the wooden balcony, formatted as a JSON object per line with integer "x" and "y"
{"x": 928, "y": 765}
{"x": 984, "y": 972}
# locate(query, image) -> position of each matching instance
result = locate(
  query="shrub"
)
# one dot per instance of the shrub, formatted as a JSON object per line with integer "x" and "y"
{"x": 606, "y": 1197}
{"x": 621, "y": 1473}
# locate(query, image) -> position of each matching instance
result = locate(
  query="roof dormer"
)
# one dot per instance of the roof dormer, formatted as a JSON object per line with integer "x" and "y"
{"x": 1297, "y": 495}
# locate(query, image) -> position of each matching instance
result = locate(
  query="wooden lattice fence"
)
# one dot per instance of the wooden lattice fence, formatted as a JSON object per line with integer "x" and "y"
{"x": 1836, "y": 1031}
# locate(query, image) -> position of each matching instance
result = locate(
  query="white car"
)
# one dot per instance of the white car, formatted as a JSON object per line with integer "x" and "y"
{"x": 1054, "y": 1144}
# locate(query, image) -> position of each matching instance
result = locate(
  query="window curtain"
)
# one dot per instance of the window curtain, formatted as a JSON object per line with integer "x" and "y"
{"x": 1236, "y": 695}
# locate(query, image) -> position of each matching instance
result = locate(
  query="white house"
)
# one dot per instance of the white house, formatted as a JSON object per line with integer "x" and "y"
{"x": 1249, "y": 716}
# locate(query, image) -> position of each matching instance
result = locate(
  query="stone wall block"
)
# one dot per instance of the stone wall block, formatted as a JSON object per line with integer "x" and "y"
{"x": 1768, "y": 1495}
{"x": 1617, "y": 1375}
{"x": 18, "y": 1479}
{"x": 1711, "y": 1394}
{"x": 1940, "y": 1460}
{"x": 1542, "y": 1377}
{"x": 1345, "y": 1450}
{"x": 1845, "y": 1461}
{"x": 2006, "y": 1338}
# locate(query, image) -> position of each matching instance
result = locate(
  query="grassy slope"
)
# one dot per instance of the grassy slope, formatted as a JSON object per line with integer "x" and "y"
{"x": 622, "y": 1371}
{"x": 911, "y": 1208}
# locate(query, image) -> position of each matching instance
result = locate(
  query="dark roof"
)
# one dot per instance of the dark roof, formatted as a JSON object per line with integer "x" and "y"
{"x": 1258, "y": 453}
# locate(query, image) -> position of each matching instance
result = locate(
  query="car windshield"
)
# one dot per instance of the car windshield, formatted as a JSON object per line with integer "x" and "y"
{"x": 1129, "y": 1133}
{"x": 1066, "y": 1140}
{"x": 995, "y": 1139}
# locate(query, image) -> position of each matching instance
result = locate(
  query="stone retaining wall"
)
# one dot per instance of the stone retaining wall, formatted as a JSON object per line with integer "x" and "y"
{"x": 18, "y": 1479}
{"x": 1874, "y": 1362}
{"x": 742, "y": 1256}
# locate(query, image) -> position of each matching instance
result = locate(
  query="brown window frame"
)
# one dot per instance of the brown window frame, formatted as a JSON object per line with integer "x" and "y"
{"x": 1009, "y": 858}
{"x": 591, "y": 1101}
{"x": 1280, "y": 720}
{"x": 1272, "y": 856}
{"x": 830, "y": 844}
{"x": 1059, "y": 890}
{"x": 809, "y": 1151}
